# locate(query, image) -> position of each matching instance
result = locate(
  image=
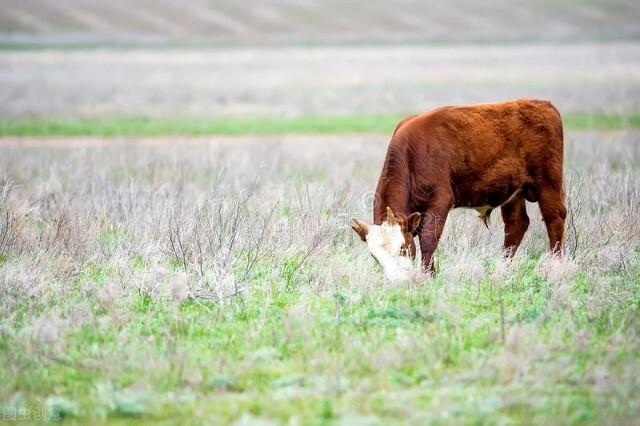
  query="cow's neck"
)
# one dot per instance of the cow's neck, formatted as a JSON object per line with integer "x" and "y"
{"x": 393, "y": 194}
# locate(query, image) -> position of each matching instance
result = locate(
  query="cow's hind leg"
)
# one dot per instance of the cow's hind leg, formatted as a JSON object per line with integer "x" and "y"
{"x": 554, "y": 212}
{"x": 516, "y": 222}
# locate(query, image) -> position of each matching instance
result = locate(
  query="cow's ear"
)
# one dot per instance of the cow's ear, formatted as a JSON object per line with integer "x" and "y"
{"x": 361, "y": 228}
{"x": 391, "y": 218}
{"x": 413, "y": 223}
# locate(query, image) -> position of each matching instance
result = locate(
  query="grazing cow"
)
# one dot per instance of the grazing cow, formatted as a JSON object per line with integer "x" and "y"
{"x": 480, "y": 156}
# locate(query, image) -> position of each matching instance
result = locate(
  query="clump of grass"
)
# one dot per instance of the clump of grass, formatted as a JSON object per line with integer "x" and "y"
{"x": 60, "y": 408}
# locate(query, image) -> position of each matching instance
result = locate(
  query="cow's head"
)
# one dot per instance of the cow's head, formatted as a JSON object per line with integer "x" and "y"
{"x": 391, "y": 243}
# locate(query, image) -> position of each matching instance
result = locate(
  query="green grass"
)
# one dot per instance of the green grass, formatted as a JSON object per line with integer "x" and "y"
{"x": 194, "y": 126}
{"x": 92, "y": 330}
{"x": 423, "y": 354}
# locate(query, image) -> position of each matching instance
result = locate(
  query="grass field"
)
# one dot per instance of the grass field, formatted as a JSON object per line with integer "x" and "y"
{"x": 177, "y": 182}
{"x": 216, "y": 280}
{"x": 190, "y": 126}
{"x": 590, "y": 79}
{"x": 69, "y": 23}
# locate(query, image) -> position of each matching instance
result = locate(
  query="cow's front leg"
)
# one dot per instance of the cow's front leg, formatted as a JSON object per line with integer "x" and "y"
{"x": 432, "y": 226}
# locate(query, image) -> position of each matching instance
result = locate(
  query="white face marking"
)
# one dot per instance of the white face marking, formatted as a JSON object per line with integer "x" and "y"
{"x": 385, "y": 244}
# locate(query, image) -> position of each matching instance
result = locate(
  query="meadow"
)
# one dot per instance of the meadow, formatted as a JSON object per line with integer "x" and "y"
{"x": 216, "y": 280}
{"x": 175, "y": 243}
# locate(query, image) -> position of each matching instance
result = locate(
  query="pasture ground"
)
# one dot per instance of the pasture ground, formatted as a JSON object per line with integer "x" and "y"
{"x": 292, "y": 82}
{"x": 215, "y": 280}
{"x": 151, "y": 272}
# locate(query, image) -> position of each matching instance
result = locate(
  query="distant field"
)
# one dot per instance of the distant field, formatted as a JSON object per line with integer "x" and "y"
{"x": 81, "y": 22}
{"x": 190, "y": 126}
{"x": 582, "y": 78}
{"x": 216, "y": 281}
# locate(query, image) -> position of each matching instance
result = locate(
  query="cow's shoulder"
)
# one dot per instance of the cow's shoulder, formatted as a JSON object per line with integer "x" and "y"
{"x": 403, "y": 122}
{"x": 417, "y": 123}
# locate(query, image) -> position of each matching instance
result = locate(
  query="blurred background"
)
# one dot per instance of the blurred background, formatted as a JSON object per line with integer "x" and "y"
{"x": 285, "y": 58}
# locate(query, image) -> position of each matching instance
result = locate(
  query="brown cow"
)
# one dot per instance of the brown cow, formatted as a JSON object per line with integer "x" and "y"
{"x": 480, "y": 156}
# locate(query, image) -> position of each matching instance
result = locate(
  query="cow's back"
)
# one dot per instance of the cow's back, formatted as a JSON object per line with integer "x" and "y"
{"x": 484, "y": 147}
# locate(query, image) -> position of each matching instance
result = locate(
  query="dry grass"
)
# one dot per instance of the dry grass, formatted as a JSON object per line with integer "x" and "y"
{"x": 596, "y": 78}
{"x": 152, "y": 278}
